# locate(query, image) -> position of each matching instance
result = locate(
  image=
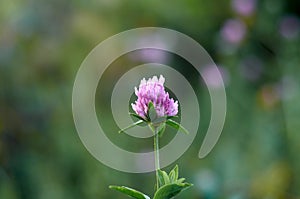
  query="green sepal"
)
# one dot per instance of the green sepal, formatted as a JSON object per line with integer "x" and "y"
{"x": 129, "y": 192}
{"x": 177, "y": 126}
{"x": 152, "y": 115}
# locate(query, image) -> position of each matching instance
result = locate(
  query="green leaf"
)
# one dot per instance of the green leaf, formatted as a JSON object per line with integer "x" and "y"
{"x": 132, "y": 125}
{"x": 171, "y": 117}
{"x": 137, "y": 116}
{"x": 176, "y": 125}
{"x": 180, "y": 180}
{"x": 173, "y": 175}
{"x": 130, "y": 192}
{"x": 151, "y": 112}
{"x": 161, "y": 129}
{"x": 163, "y": 178}
{"x": 166, "y": 178}
{"x": 170, "y": 190}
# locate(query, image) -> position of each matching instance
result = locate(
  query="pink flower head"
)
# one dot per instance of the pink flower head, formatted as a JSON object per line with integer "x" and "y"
{"x": 153, "y": 91}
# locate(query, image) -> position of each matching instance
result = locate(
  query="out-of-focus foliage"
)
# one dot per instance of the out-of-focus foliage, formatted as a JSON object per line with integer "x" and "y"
{"x": 255, "y": 43}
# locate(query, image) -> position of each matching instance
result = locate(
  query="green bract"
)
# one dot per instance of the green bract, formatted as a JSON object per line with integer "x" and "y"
{"x": 153, "y": 121}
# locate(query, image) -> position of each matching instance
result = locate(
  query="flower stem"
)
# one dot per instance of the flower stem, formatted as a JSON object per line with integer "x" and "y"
{"x": 156, "y": 155}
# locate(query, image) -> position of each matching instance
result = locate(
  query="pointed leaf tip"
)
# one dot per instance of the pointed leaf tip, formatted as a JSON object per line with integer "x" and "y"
{"x": 176, "y": 126}
{"x": 173, "y": 175}
{"x": 131, "y": 126}
{"x": 163, "y": 178}
{"x": 137, "y": 116}
{"x": 129, "y": 192}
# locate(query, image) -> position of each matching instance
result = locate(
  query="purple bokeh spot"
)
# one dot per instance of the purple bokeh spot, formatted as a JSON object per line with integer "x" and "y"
{"x": 212, "y": 77}
{"x": 244, "y": 7}
{"x": 233, "y": 31}
{"x": 289, "y": 27}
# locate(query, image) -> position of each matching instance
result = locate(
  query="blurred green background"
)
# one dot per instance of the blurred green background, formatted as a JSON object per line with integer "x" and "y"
{"x": 256, "y": 45}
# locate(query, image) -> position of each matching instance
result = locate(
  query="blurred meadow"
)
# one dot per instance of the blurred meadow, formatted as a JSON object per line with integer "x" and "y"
{"x": 255, "y": 43}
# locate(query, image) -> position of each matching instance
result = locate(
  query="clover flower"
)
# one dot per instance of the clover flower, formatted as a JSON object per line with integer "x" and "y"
{"x": 153, "y": 90}
{"x": 152, "y": 106}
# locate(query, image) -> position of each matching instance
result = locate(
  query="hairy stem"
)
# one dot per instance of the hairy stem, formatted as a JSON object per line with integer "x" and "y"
{"x": 156, "y": 155}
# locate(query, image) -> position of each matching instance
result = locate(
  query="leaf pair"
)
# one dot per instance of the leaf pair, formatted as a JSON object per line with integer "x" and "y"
{"x": 162, "y": 124}
{"x": 167, "y": 191}
{"x": 172, "y": 177}
{"x": 169, "y": 186}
